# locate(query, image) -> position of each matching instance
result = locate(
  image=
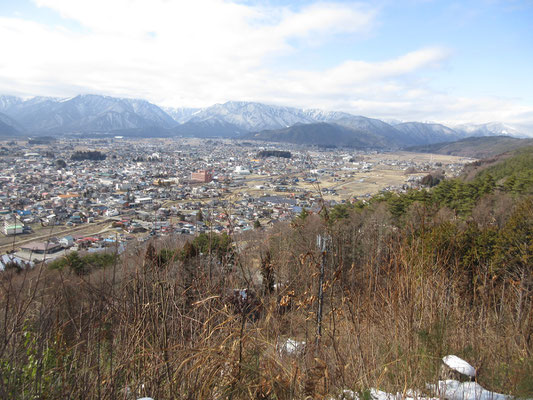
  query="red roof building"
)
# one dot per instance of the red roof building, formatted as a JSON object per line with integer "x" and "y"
{"x": 202, "y": 176}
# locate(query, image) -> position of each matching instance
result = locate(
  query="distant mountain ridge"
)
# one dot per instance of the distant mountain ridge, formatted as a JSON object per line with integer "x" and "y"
{"x": 181, "y": 114}
{"x": 251, "y": 116}
{"x": 98, "y": 114}
{"x": 8, "y": 126}
{"x": 426, "y": 133}
{"x": 84, "y": 113}
{"x": 476, "y": 147}
{"x": 7, "y": 129}
{"x": 321, "y": 134}
{"x": 489, "y": 129}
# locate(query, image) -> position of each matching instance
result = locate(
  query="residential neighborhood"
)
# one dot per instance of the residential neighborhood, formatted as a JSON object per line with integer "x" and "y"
{"x": 56, "y": 197}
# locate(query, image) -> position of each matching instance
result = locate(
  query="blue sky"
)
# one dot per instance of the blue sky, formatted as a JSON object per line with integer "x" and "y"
{"x": 444, "y": 61}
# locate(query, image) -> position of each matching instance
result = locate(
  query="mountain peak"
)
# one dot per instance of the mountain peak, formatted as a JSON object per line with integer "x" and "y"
{"x": 100, "y": 113}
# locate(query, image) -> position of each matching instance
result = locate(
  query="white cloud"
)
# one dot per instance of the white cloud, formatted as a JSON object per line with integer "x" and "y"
{"x": 165, "y": 50}
{"x": 325, "y": 19}
{"x": 196, "y": 53}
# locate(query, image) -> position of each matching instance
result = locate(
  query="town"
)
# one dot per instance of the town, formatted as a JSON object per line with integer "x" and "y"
{"x": 70, "y": 194}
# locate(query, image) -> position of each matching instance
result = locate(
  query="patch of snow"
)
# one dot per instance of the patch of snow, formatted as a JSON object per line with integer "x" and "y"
{"x": 455, "y": 390}
{"x": 447, "y": 389}
{"x": 292, "y": 346}
{"x": 381, "y": 395}
{"x": 459, "y": 365}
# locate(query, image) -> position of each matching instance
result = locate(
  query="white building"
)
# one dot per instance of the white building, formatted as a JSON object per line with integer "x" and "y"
{"x": 12, "y": 228}
{"x": 240, "y": 170}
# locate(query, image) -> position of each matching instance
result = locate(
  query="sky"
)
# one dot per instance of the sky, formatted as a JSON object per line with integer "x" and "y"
{"x": 442, "y": 61}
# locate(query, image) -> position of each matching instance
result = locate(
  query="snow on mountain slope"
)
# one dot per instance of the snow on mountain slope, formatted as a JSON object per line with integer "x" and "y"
{"x": 325, "y": 116}
{"x": 151, "y": 112}
{"x": 182, "y": 114}
{"x": 7, "y": 121}
{"x": 491, "y": 129}
{"x": 7, "y": 102}
{"x": 425, "y": 133}
{"x": 7, "y": 129}
{"x": 373, "y": 126}
{"x": 253, "y": 116}
{"x": 87, "y": 113}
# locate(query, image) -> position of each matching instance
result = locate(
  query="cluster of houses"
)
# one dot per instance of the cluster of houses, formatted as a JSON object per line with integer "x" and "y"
{"x": 154, "y": 187}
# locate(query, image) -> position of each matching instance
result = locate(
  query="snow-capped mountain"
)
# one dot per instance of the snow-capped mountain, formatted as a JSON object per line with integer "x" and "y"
{"x": 253, "y": 116}
{"x": 151, "y": 112}
{"x": 85, "y": 113}
{"x": 182, "y": 114}
{"x": 8, "y": 102}
{"x": 325, "y": 116}
{"x": 134, "y": 117}
{"x": 426, "y": 133}
{"x": 373, "y": 126}
{"x": 361, "y": 131}
{"x": 491, "y": 129}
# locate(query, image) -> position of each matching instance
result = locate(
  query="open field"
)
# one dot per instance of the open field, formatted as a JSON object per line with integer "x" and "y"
{"x": 350, "y": 183}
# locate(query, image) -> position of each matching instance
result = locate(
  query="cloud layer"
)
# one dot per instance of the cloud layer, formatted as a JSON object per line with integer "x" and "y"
{"x": 196, "y": 53}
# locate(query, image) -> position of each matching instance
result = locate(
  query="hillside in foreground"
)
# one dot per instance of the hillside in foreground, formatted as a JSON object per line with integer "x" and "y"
{"x": 402, "y": 280}
{"x": 512, "y": 170}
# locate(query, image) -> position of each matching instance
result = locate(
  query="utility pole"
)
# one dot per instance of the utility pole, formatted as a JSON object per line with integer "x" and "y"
{"x": 321, "y": 242}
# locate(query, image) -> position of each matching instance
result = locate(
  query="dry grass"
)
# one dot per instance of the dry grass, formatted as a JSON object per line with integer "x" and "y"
{"x": 173, "y": 330}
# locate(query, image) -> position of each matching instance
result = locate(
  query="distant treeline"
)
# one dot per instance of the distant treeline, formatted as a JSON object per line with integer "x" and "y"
{"x": 41, "y": 140}
{"x": 148, "y": 159}
{"x": 88, "y": 155}
{"x": 274, "y": 153}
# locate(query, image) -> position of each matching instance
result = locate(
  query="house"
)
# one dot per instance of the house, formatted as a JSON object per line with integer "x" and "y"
{"x": 41, "y": 247}
{"x": 66, "y": 241}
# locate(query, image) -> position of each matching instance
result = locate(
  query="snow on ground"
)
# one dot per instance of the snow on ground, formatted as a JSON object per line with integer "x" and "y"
{"x": 448, "y": 389}
{"x": 459, "y": 365}
{"x": 292, "y": 346}
{"x": 454, "y": 390}
{"x": 381, "y": 395}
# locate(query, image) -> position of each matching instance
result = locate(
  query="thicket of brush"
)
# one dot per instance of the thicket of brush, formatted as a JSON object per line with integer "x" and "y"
{"x": 400, "y": 290}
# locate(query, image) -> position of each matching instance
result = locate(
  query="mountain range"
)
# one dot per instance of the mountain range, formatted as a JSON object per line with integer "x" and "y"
{"x": 96, "y": 114}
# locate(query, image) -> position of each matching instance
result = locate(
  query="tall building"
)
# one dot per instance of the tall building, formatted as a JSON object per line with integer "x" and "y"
{"x": 202, "y": 176}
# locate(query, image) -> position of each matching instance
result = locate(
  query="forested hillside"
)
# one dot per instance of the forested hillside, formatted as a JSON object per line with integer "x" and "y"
{"x": 477, "y": 147}
{"x": 401, "y": 280}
